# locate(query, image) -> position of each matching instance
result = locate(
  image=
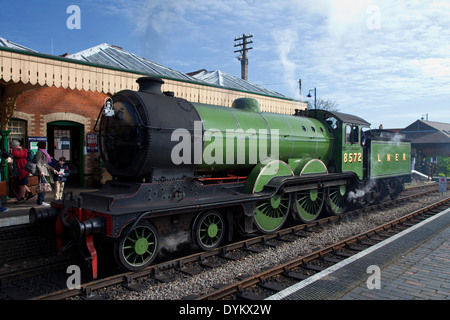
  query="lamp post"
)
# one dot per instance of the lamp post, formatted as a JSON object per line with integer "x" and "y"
{"x": 3, "y": 167}
{"x": 315, "y": 96}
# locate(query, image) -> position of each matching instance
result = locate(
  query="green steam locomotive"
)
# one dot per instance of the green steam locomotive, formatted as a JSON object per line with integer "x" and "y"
{"x": 214, "y": 171}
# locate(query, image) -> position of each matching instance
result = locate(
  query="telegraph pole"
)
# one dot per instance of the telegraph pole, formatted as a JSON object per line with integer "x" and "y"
{"x": 243, "y": 57}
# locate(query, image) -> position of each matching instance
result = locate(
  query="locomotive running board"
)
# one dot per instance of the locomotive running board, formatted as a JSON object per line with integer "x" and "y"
{"x": 136, "y": 199}
{"x": 313, "y": 186}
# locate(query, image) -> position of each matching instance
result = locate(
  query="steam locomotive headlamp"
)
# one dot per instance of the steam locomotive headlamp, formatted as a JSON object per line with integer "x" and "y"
{"x": 108, "y": 108}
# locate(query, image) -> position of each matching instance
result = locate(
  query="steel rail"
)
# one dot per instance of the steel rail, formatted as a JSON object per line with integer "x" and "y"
{"x": 264, "y": 275}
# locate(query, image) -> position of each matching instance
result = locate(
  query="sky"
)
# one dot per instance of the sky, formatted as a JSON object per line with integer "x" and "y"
{"x": 386, "y": 61}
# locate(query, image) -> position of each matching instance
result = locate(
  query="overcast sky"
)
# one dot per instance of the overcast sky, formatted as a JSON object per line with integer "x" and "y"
{"x": 385, "y": 61}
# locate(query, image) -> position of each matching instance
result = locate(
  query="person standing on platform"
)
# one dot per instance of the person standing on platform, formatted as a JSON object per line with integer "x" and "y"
{"x": 42, "y": 162}
{"x": 20, "y": 158}
{"x": 60, "y": 178}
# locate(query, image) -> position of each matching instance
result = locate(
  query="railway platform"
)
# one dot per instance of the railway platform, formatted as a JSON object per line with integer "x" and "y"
{"x": 414, "y": 264}
{"x": 18, "y": 212}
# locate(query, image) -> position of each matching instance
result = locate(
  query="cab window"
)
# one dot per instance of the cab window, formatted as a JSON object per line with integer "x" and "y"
{"x": 351, "y": 134}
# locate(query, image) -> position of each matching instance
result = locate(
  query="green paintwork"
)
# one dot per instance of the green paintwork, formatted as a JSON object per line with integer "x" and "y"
{"x": 389, "y": 159}
{"x": 210, "y": 230}
{"x": 139, "y": 247}
{"x": 352, "y": 159}
{"x": 240, "y": 139}
{"x": 270, "y": 215}
{"x": 248, "y": 104}
{"x": 263, "y": 172}
{"x": 309, "y": 166}
{"x": 336, "y": 200}
{"x": 309, "y": 204}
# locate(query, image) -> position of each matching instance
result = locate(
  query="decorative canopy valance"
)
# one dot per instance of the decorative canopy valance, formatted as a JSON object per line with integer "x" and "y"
{"x": 51, "y": 71}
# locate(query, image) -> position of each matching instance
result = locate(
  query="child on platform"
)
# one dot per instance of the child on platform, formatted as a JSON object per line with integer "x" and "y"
{"x": 61, "y": 177}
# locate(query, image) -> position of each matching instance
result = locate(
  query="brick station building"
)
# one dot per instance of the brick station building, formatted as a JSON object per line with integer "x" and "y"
{"x": 58, "y": 99}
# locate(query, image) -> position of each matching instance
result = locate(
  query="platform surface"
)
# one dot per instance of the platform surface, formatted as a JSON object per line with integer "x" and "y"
{"x": 17, "y": 213}
{"x": 414, "y": 264}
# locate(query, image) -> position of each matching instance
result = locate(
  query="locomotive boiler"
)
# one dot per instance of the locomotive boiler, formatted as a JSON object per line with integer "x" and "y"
{"x": 215, "y": 171}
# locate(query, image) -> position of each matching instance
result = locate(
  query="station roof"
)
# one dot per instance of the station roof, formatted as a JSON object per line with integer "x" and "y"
{"x": 223, "y": 79}
{"x": 114, "y": 56}
{"x": 11, "y": 45}
{"x": 427, "y": 132}
{"x": 118, "y": 59}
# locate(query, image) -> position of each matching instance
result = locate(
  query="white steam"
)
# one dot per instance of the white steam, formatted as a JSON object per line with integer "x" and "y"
{"x": 172, "y": 242}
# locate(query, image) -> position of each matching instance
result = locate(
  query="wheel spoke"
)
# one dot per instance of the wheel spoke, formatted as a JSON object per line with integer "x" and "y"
{"x": 209, "y": 229}
{"x": 139, "y": 247}
{"x": 309, "y": 204}
{"x": 337, "y": 202}
{"x": 271, "y": 214}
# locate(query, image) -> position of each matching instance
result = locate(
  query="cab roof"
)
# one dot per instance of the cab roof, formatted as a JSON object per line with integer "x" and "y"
{"x": 343, "y": 117}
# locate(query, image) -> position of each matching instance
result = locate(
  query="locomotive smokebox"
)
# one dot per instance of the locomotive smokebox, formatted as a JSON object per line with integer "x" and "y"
{"x": 150, "y": 85}
{"x": 138, "y": 144}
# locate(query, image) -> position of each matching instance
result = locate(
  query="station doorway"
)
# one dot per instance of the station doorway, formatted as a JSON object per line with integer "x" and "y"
{"x": 65, "y": 138}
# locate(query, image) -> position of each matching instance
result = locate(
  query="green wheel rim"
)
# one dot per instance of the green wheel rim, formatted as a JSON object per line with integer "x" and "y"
{"x": 271, "y": 214}
{"x": 210, "y": 229}
{"x": 138, "y": 248}
{"x": 337, "y": 202}
{"x": 309, "y": 204}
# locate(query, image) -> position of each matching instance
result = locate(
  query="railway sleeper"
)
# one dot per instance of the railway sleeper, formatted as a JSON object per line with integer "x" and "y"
{"x": 209, "y": 264}
{"x": 357, "y": 248}
{"x": 188, "y": 270}
{"x": 132, "y": 285}
{"x": 163, "y": 278}
{"x": 272, "y": 286}
{"x": 252, "y": 248}
{"x": 313, "y": 267}
{"x": 344, "y": 254}
{"x": 229, "y": 256}
{"x": 295, "y": 275}
{"x": 332, "y": 259}
{"x": 248, "y": 296}
{"x": 88, "y": 294}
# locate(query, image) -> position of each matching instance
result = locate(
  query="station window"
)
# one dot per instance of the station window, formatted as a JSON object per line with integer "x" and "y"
{"x": 18, "y": 130}
{"x": 62, "y": 144}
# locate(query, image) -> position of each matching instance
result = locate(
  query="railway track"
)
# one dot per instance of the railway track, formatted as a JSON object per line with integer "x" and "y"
{"x": 195, "y": 263}
{"x": 299, "y": 269}
{"x": 24, "y": 242}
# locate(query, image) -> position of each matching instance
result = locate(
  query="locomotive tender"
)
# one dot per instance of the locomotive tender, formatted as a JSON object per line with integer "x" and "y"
{"x": 213, "y": 171}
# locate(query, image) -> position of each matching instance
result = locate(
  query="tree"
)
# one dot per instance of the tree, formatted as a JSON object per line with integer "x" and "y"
{"x": 443, "y": 165}
{"x": 324, "y": 104}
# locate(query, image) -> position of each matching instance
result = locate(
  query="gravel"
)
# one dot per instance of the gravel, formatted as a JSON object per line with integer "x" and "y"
{"x": 200, "y": 284}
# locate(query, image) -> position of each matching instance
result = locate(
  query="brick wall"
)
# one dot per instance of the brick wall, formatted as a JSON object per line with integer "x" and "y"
{"x": 48, "y": 104}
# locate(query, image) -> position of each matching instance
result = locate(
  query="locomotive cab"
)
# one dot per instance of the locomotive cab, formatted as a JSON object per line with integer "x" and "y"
{"x": 350, "y": 140}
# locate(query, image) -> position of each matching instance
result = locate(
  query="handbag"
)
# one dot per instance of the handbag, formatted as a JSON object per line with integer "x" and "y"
{"x": 43, "y": 187}
{"x": 31, "y": 167}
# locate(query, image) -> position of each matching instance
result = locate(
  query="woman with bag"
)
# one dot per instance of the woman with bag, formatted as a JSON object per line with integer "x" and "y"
{"x": 20, "y": 155}
{"x": 42, "y": 162}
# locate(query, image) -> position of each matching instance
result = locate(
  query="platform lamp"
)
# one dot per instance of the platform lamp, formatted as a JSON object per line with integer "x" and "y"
{"x": 315, "y": 96}
{"x": 4, "y": 144}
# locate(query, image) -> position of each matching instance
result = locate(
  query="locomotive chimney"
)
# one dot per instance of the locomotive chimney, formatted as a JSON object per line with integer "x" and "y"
{"x": 150, "y": 85}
